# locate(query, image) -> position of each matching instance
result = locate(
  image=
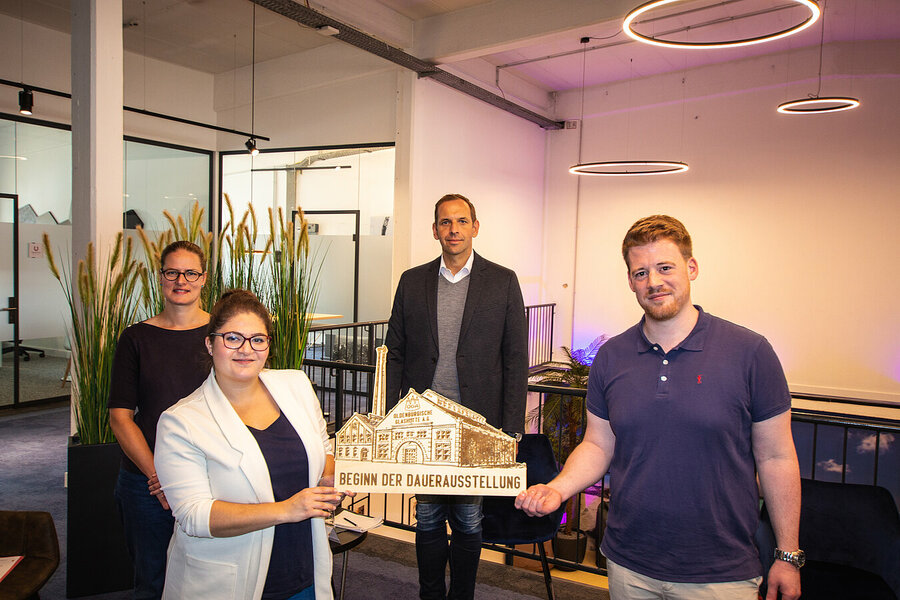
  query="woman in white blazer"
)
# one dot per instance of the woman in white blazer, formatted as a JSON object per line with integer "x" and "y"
{"x": 247, "y": 468}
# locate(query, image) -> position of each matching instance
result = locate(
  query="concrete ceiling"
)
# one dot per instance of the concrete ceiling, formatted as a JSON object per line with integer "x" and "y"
{"x": 507, "y": 41}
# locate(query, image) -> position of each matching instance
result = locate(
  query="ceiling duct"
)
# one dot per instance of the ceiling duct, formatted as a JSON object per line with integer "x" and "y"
{"x": 316, "y": 20}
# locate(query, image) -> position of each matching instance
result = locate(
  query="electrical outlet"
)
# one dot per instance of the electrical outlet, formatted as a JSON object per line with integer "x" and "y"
{"x": 572, "y": 124}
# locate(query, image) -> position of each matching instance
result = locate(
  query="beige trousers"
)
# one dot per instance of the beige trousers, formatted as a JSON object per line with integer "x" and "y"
{"x": 625, "y": 584}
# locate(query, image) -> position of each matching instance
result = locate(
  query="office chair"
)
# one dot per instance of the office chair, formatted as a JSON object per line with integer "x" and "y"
{"x": 851, "y": 536}
{"x": 504, "y": 524}
{"x": 23, "y": 350}
{"x": 32, "y": 536}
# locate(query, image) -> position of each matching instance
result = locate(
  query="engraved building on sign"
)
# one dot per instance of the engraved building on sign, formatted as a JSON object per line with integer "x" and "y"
{"x": 426, "y": 429}
{"x": 423, "y": 429}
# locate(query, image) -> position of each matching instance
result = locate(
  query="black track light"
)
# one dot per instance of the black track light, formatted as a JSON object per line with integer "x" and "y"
{"x": 251, "y": 147}
{"x": 26, "y": 101}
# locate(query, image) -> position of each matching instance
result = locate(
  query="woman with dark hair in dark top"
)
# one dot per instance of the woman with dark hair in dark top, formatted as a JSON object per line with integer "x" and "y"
{"x": 247, "y": 465}
{"x": 157, "y": 362}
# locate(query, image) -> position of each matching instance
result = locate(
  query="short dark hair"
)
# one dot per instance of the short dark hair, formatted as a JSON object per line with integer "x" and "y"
{"x": 656, "y": 227}
{"x": 448, "y": 198}
{"x": 234, "y": 302}
{"x": 182, "y": 245}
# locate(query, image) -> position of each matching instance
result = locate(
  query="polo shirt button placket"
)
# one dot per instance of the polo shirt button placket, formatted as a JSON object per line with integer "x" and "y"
{"x": 662, "y": 390}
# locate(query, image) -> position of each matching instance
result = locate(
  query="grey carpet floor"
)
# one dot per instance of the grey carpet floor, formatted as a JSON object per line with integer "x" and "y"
{"x": 38, "y": 378}
{"x": 32, "y": 466}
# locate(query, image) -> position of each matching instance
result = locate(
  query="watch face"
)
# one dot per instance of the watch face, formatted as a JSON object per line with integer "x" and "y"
{"x": 798, "y": 558}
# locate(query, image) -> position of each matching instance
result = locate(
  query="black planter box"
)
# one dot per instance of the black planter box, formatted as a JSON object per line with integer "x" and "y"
{"x": 97, "y": 559}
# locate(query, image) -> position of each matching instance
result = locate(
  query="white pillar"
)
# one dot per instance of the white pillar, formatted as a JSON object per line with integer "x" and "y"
{"x": 97, "y": 130}
{"x": 97, "y": 95}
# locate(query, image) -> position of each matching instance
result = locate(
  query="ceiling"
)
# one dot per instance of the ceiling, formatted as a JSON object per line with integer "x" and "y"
{"x": 511, "y": 39}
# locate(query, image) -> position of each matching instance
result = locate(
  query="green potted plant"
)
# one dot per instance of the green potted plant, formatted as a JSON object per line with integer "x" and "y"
{"x": 562, "y": 419}
{"x": 290, "y": 292}
{"x": 102, "y": 303}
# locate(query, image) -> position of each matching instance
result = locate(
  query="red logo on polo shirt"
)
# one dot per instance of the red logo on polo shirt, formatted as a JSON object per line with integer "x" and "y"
{"x": 699, "y": 379}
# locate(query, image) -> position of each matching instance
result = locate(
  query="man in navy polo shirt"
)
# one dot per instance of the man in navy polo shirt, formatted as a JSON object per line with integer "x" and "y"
{"x": 685, "y": 409}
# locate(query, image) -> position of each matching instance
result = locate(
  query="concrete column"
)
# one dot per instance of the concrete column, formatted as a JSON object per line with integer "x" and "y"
{"x": 97, "y": 94}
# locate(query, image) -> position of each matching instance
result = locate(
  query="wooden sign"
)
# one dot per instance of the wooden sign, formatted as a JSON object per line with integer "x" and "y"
{"x": 426, "y": 444}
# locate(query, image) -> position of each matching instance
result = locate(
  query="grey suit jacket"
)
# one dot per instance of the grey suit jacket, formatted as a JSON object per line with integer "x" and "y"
{"x": 492, "y": 355}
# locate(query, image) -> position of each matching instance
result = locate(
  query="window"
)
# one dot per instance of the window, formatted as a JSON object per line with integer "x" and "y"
{"x": 442, "y": 452}
{"x": 351, "y": 187}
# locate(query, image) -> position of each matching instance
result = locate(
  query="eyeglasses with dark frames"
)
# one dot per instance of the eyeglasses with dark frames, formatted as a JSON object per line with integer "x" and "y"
{"x": 173, "y": 274}
{"x": 235, "y": 341}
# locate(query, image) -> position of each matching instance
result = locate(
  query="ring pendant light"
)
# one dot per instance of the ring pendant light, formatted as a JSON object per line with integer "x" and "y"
{"x": 814, "y": 13}
{"x": 815, "y": 104}
{"x": 617, "y": 168}
{"x": 629, "y": 168}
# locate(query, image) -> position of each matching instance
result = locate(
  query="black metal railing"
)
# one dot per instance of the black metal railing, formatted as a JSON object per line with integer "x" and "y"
{"x": 356, "y": 342}
{"x": 830, "y": 447}
{"x": 848, "y": 449}
{"x": 351, "y": 343}
{"x": 343, "y": 389}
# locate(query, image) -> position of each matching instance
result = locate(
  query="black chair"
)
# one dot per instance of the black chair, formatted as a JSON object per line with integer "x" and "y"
{"x": 851, "y": 536}
{"x": 23, "y": 350}
{"x": 32, "y": 536}
{"x": 506, "y": 525}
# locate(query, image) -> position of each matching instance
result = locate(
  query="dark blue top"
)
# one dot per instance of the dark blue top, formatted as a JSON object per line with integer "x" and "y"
{"x": 291, "y": 564}
{"x": 153, "y": 369}
{"x": 684, "y": 499}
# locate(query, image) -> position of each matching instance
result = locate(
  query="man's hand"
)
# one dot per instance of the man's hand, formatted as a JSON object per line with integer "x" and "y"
{"x": 785, "y": 578}
{"x": 539, "y": 500}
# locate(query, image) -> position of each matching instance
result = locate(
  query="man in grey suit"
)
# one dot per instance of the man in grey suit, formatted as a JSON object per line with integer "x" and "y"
{"x": 458, "y": 327}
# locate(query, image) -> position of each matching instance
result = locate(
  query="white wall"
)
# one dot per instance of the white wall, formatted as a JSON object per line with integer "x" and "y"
{"x": 42, "y": 307}
{"x": 793, "y": 218}
{"x": 149, "y": 84}
{"x": 465, "y": 146}
{"x": 334, "y": 94}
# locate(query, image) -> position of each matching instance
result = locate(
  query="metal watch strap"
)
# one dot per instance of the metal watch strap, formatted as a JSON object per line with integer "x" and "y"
{"x": 796, "y": 558}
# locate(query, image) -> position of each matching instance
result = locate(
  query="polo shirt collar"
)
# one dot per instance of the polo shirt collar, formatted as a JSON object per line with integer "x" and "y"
{"x": 693, "y": 342}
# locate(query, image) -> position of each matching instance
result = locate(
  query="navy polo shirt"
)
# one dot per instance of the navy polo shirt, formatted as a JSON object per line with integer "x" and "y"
{"x": 684, "y": 498}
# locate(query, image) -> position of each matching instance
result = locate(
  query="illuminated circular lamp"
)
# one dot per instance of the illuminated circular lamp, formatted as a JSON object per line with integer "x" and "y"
{"x": 628, "y": 168}
{"x": 814, "y": 13}
{"x": 817, "y": 106}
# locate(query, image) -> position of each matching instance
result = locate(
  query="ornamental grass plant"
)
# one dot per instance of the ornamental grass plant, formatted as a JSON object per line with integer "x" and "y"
{"x": 238, "y": 259}
{"x": 290, "y": 291}
{"x": 102, "y": 303}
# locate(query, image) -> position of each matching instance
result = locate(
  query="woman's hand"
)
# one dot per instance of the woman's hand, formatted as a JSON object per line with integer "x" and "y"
{"x": 155, "y": 489}
{"x": 310, "y": 503}
{"x": 328, "y": 481}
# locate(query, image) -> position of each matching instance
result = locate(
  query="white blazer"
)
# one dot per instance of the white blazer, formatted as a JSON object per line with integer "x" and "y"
{"x": 204, "y": 452}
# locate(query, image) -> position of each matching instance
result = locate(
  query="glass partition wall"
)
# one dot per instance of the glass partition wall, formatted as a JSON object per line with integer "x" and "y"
{"x": 36, "y": 168}
{"x": 347, "y": 196}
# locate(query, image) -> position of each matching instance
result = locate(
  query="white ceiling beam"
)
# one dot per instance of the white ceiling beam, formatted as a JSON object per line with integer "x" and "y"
{"x": 507, "y": 24}
{"x": 373, "y": 18}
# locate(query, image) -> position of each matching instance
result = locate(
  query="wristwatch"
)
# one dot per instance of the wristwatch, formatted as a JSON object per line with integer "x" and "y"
{"x": 796, "y": 558}
{"x": 515, "y": 436}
